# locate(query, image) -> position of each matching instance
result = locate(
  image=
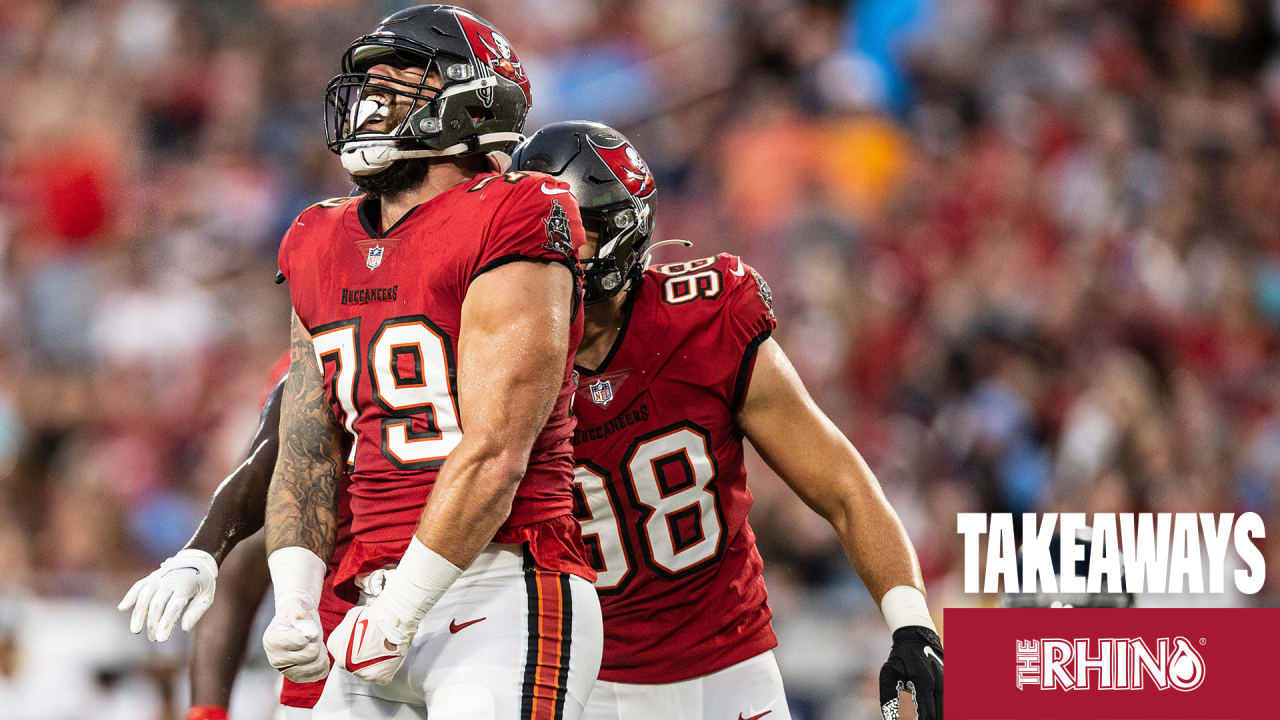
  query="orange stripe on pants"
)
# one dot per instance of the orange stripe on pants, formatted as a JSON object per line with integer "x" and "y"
{"x": 551, "y": 629}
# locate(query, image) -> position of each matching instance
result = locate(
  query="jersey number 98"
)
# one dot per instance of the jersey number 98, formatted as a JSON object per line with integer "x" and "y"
{"x": 667, "y": 475}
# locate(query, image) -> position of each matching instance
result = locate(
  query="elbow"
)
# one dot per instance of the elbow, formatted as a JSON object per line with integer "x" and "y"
{"x": 509, "y": 471}
{"x": 844, "y": 511}
{"x": 841, "y": 515}
{"x": 498, "y": 467}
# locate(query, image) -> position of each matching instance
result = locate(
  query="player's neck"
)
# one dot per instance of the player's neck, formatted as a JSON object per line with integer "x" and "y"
{"x": 444, "y": 174}
{"x": 601, "y": 324}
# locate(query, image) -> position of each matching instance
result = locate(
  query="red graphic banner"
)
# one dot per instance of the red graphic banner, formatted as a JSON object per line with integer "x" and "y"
{"x": 1111, "y": 664}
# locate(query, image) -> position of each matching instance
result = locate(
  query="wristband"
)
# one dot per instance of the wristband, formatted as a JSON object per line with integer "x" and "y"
{"x": 207, "y": 712}
{"x": 296, "y": 573}
{"x": 413, "y": 588}
{"x": 904, "y": 605}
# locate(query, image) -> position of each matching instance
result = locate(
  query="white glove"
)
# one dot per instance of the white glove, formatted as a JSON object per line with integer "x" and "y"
{"x": 185, "y": 580}
{"x": 372, "y": 640}
{"x": 294, "y": 642}
{"x": 360, "y": 645}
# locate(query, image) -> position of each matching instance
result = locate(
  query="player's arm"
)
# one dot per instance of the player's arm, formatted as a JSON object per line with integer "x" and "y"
{"x": 302, "y": 497}
{"x": 819, "y": 463}
{"x": 219, "y": 641}
{"x": 238, "y": 505}
{"x": 512, "y": 345}
{"x": 187, "y": 580}
{"x": 300, "y": 514}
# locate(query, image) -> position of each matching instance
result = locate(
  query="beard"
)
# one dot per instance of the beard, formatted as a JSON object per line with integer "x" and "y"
{"x": 399, "y": 176}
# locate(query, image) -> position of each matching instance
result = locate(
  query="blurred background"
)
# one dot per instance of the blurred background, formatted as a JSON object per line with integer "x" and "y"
{"x": 1026, "y": 254}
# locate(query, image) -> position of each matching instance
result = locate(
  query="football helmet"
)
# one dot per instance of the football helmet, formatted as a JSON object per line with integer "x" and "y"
{"x": 479, "y": 108}
{"x": 615, "y": 192}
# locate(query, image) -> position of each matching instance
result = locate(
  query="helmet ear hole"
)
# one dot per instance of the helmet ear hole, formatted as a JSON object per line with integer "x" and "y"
{"x": 479, "y": 114}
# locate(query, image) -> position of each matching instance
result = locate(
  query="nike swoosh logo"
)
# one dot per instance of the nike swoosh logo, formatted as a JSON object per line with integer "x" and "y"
{"x": 552, "y": 191}
{"x": 455, "y": 626}
{"x": 754, "y": 717}
{"x": 353, "y": 666}
{"x": 928, "y": 652}
{"x": 739, "y": 272}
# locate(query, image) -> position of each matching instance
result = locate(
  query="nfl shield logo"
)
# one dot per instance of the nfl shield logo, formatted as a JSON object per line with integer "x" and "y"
{"x": 601, "y": 392}
{"x": 374, "y": 259}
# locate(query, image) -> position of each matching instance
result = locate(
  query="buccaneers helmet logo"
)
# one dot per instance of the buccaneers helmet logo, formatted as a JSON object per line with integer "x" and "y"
{"x": 627, "y": 165}
{"x": 492, "y": 49}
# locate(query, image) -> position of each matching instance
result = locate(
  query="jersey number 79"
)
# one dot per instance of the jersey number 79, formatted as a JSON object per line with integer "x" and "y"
{"x": 411, "y": 371}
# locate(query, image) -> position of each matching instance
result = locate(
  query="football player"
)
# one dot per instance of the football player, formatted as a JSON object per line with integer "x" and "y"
{"x": 676, "y": 366}
{"x": 228, "y": 543}
{"x": 443, "y": 297}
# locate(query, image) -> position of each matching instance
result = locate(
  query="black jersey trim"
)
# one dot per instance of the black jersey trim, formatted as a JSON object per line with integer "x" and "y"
{"x": 520, "y": 257}
{"x": 576, "y": 299}
{"x": 365, "y": 209}
{"x": 627, "y": 309}
{"x": 744, "y": 369}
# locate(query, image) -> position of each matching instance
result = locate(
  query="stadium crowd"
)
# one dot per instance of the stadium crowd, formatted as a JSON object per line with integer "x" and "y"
{"x": 1026, "y": 254}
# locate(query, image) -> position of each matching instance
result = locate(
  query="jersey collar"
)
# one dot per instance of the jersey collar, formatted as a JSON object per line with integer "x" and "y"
{"x": 628, "y": 310}
{"x": 369, "y": 212}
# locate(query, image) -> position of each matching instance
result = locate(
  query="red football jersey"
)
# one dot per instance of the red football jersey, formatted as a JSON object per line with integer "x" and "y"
{"x": 384, "y": 309}
{"x": 662, "y": 491}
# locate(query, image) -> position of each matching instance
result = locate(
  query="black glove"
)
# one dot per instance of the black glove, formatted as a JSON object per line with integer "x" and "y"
{"x": 914, "y": 665}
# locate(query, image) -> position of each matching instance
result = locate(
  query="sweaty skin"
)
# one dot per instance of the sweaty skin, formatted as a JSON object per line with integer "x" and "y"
{"x": 512, "y": 344}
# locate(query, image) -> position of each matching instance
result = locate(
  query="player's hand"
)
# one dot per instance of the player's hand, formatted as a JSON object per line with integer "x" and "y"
{"x": 185, "y": 580}
{"x": 914, "y": 665}
{"x": 294, "y": 642}
{"x": 361, "y": 647}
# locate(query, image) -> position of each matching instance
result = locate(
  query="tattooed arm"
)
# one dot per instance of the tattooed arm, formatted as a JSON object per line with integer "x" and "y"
{"x": 301, "y": 506}
{"x": 302, "y": 497}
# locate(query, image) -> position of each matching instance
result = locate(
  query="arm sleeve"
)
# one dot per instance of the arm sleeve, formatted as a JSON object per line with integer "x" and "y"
{"x": 537, "y": 221}
{"x": 748, "y": 320}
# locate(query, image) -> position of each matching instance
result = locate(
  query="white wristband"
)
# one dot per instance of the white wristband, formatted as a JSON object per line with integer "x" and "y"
{"x": 904, "y": 605}
{"x": 415, "y": 586}
{"x": 296, "y": 572}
